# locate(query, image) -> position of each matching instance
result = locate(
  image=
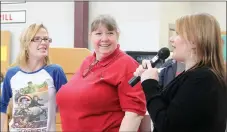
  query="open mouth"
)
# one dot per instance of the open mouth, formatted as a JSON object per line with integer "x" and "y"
{"x": 42, "y": 48}
{"x": 104, "y": 46}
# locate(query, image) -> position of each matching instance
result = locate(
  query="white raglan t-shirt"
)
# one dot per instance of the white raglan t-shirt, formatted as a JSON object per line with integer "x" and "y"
{"x": 33, "y": 95}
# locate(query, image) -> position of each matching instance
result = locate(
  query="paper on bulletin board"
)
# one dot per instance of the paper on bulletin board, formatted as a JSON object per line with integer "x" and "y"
{"x": 139, "y": 36}
{"x": 224, "y": 48}
{"x": 3, "y": 53}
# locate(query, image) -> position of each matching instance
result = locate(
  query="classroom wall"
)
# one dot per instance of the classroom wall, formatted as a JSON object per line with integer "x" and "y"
{"x": 144, "y": 25}
{"x": 137, "y": 22}
{"x": 170, "y": 11}
{"x": 134, "y": 19}
{"x": 58, "y": 17}
{"x": 218, "y": 9}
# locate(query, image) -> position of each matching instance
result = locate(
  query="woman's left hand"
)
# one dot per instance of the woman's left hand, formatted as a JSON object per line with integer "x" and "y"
{"x": 149, "y": 73}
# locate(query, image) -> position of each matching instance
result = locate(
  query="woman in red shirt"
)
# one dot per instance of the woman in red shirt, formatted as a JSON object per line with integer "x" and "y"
{"x": 98, "y": 97}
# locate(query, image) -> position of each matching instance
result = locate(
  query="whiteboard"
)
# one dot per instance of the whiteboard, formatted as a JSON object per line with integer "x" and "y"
{"x": 139, "y": 36}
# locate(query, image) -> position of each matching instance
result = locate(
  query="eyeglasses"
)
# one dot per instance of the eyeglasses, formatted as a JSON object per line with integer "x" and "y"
{"x": 39, "y": 39}
{"x": 87, "y": 71}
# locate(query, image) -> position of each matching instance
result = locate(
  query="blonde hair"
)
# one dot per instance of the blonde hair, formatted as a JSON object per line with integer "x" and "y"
{"x": 25, "y": 40}
{"x": 203, "y": 30}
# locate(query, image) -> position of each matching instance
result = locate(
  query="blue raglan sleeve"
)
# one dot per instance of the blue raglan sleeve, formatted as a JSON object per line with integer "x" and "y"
{"x": 59, "y": 78}
{"x": 58, "y": 75}
{"x": 6, "y": 92}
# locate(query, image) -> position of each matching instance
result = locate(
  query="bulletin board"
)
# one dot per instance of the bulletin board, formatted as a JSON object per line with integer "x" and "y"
{"x": 223, "y": 35}
{"x": 5, "y": 50}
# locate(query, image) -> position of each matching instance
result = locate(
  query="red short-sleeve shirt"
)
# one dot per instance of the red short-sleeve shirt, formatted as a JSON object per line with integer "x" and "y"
{"x": 97, "y": 96}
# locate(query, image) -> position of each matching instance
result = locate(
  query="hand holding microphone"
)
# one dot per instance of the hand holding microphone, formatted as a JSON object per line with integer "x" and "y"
{"x": 145, "y": 71}
{"x": 163, "y": 53}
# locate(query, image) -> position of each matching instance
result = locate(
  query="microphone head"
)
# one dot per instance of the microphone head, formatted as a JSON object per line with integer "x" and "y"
{"x": 163, "y": 53}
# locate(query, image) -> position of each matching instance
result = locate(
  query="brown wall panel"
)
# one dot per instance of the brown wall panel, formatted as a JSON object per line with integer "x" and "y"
{"x": 81, "y": 24}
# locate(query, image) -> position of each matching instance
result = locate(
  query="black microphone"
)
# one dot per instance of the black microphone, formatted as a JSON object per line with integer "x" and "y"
{"x": 163, "y": 53}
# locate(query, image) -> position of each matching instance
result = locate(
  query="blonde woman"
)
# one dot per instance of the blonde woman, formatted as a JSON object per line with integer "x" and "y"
{"x": 32, "y": 84}
{"x": 196, "y": 100}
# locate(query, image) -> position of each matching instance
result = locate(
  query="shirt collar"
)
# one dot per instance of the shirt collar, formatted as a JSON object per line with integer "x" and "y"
{"x": 105, "y": 61}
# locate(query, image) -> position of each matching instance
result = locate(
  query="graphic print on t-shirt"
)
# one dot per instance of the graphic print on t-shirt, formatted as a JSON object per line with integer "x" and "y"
{"x": 30, "y": 110}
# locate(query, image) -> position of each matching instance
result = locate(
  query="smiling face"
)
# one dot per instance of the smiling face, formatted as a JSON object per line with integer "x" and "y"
{"x": 34, "y": 44}
{"x": 38, "y": 48}
{"x": 104, "y": 36}
{"x": 104, "y": 41}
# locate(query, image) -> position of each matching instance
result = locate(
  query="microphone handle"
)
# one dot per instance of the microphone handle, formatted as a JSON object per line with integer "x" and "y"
{"x": 153, "y": 64}
{"x": 136, "y": 79}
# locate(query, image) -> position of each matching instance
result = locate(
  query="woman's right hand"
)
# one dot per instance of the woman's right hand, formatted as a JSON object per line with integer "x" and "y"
{"x": 139, "y": 71}
{"x": 145, "y": 71}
